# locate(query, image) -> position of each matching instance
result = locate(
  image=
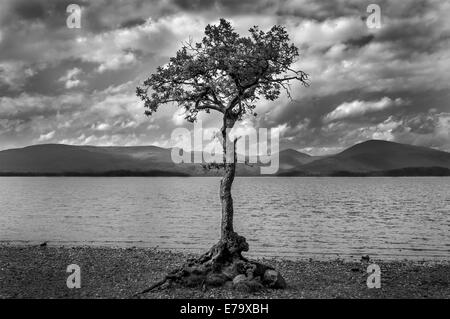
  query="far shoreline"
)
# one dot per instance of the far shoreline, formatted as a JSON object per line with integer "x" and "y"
{"x": 413, "y": 172}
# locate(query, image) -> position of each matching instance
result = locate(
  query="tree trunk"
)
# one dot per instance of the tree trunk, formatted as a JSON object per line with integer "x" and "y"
{"x": 224, "y": 263}
{"x": 226, "y": 200}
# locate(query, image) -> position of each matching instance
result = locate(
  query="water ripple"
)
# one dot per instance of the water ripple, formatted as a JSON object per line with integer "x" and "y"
{"x": 389, "y": 218}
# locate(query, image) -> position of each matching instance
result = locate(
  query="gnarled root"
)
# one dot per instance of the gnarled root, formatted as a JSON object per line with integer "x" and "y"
{"x": 224, "y": 265}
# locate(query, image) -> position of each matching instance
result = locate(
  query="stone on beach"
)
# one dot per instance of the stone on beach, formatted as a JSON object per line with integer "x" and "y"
{"x": 273, "y": 279}
{"x": 216, "y": 279}
{"x": 239, "y": 278}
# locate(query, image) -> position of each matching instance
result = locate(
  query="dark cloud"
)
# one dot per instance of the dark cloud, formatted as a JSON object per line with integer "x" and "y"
{"x": 409, "y": 37}
{"x": 45, "y": 81}
{"x": 423, "y": 123}
{"x": 321, "y": 10}
{"x": 132, "y": 23}
{"x": 29, "y": 10}
{"x": 360, "y": 41}
{"x": 50, "y": 13}
{"x": 195, "y": 4}
{"x": 227, "y": 6}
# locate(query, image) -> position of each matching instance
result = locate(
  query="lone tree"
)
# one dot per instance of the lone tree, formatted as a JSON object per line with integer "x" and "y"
{"x": 226, "y": 73}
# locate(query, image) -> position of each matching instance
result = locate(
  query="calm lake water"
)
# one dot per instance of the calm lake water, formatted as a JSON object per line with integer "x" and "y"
{"x": 388, "y": 218}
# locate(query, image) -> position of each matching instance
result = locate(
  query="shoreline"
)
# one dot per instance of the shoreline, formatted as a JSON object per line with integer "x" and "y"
{"x": 318, "y": 257}
{"x": 281, "y": 175}
{"x": 40, "y": 272}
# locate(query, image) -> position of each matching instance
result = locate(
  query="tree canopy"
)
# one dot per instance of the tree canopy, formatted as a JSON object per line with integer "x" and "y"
{"x": 225, "y": 72}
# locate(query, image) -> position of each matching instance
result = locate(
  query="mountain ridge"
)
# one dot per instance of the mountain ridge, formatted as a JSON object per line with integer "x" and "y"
{"x": 379, "y": 155}
{"x": 369, "y": 158}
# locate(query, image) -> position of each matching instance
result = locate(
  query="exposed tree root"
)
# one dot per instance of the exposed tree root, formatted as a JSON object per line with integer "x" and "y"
{"x": 223, "y": 265}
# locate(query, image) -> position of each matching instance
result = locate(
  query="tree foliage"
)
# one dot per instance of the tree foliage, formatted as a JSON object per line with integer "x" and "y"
{"x": 225, "y": 72}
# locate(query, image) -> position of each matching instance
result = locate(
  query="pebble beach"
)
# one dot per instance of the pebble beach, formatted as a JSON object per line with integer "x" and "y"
{"x": 41, "y": 272}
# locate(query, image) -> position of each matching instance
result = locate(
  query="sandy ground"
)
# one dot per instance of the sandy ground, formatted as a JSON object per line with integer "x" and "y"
{"x": 40, "y": 272}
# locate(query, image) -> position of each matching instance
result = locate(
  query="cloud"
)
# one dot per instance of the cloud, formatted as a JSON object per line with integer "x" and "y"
{"x": 178, "y": 117}
{"x": 29, "y": 10}
{"x": 71, "y": 78}
{"x": 103, "y": 127}
{"x": 112, "y": 116}
{"x": 26, "y": 106}
{"x": 431, "y": 129}
{"x": 14, "y": 75}
{"x": 359, "y": 108}
{"x": 133, "y": 22}
{"x": 46, "y": 137}
{"x": 80, "y": 83}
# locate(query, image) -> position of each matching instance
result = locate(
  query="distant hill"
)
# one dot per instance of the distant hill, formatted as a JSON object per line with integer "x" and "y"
{"x": 70, "y": 160}
{"x": 371, "y": 158}
{"x": 376, "y": 155}
{"x": 57, "y": 158}
{"x": 291, "y": 158}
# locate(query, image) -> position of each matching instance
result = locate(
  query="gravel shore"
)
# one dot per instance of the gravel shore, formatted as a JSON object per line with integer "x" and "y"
{"x": 40, "y": 272}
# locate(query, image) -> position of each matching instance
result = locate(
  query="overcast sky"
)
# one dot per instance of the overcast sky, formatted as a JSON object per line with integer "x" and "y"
{"x": 77, "y": 86}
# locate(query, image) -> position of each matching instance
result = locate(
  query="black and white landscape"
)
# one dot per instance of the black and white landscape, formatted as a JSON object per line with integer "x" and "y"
{"x": 354, "y": 95}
